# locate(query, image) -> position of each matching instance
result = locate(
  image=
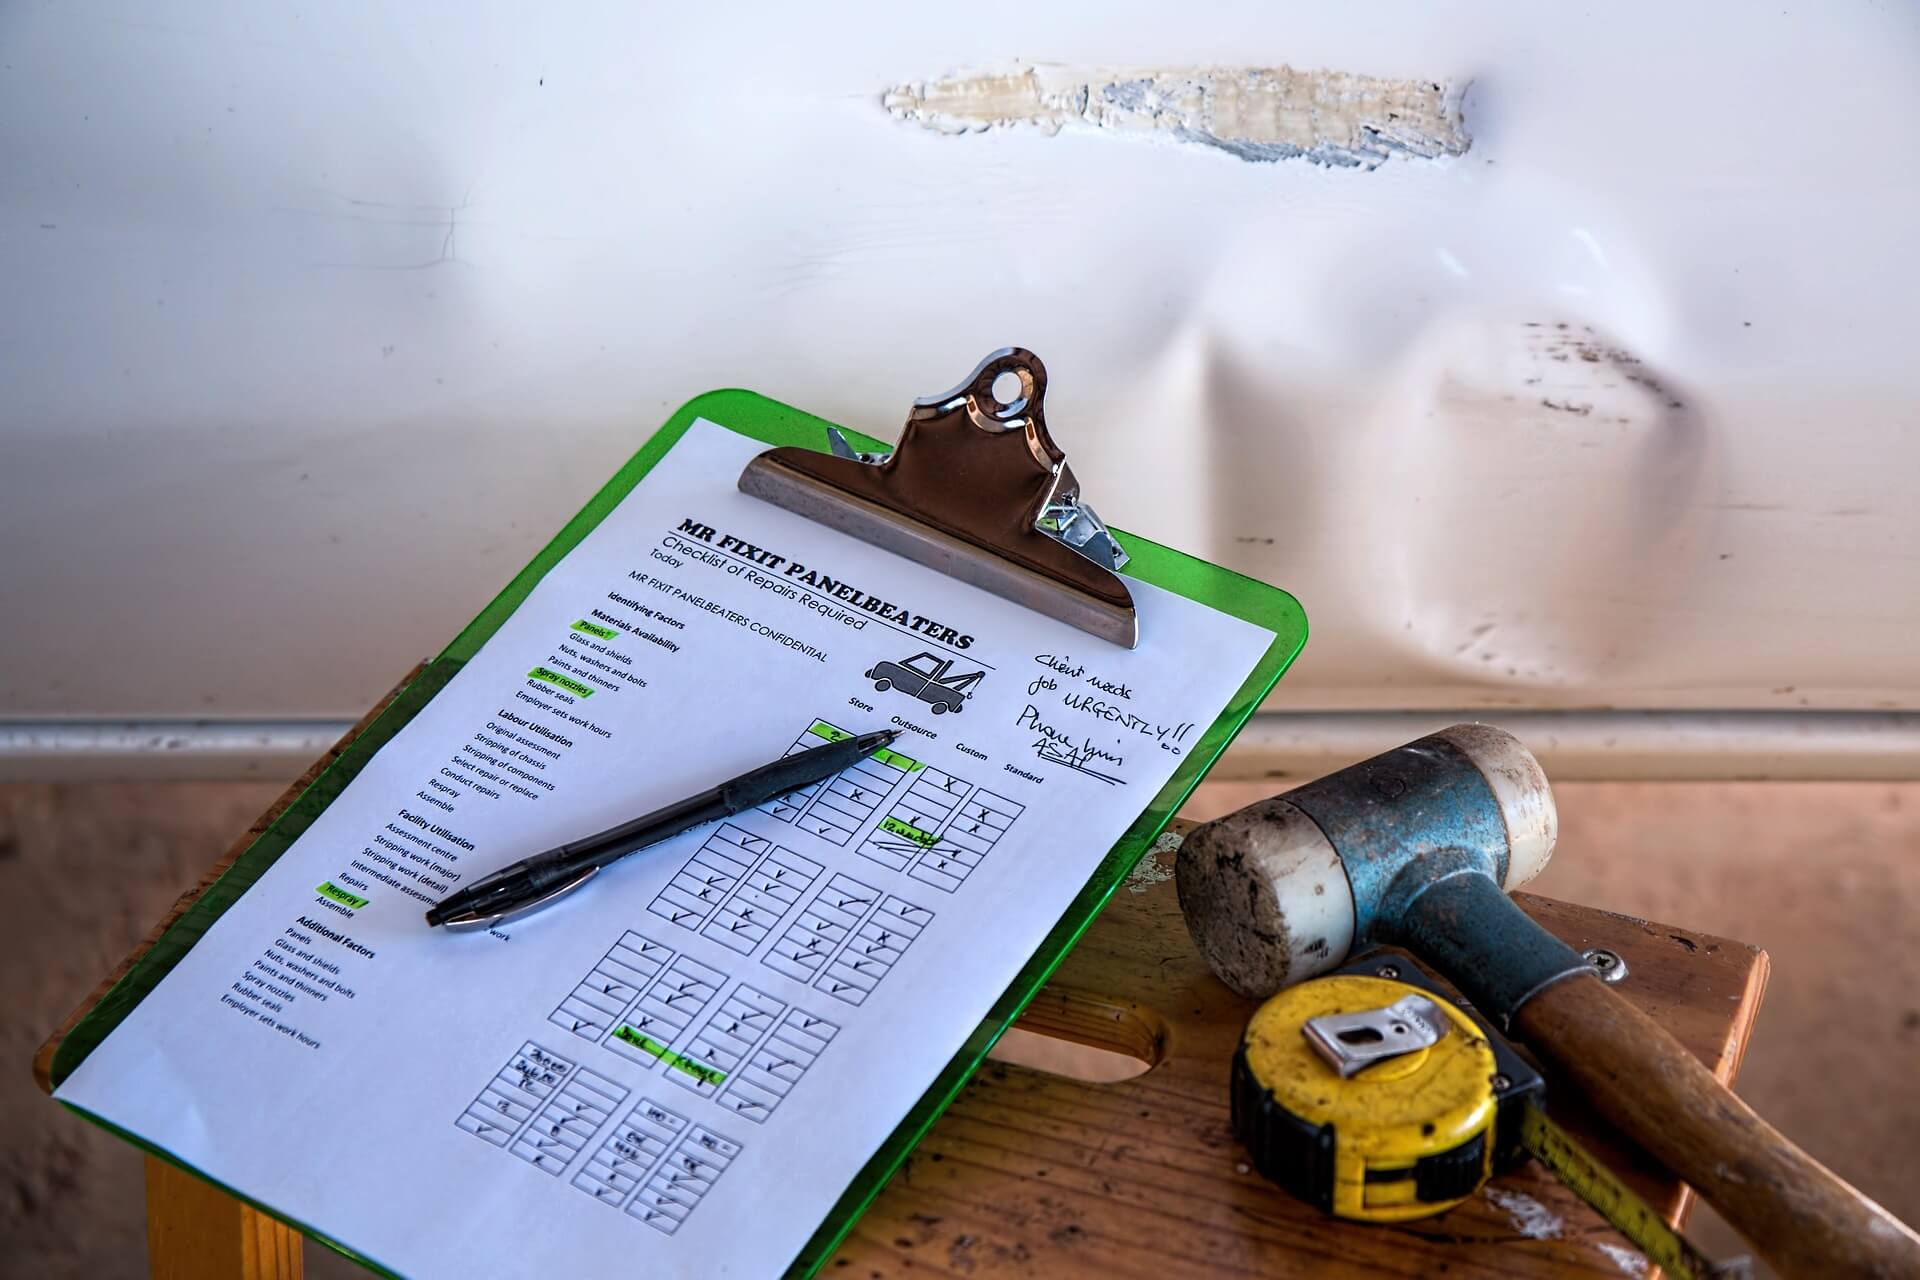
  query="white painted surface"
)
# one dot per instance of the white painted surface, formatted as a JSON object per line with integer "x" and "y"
{"x": 315, "y": 322}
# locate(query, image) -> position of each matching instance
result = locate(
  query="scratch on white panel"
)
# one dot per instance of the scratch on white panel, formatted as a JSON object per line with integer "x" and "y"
{"x": 1255, "y": 113}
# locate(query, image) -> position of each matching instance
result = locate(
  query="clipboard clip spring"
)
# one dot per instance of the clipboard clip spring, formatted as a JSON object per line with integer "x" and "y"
{"x": 977, "y": 490}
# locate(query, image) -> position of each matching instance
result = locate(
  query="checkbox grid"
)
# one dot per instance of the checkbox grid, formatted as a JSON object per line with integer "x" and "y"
{"x": 776, "y": 1066}
{"x": 568, "y": 1122}
{"x": 826, "y": 922}
{"x": 531, "y": 1078}
{"x": 968, "y": 835}
{"x": 714, "y": 1052}
{"x": 664, "y": 1011}
{"x": 678, "y": 1184}
{"x": 630, "y": 1152}
{"x": 609, "y": 990}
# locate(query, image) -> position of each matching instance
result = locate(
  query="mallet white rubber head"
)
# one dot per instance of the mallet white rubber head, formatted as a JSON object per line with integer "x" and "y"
{"x": 1267, "y": 896}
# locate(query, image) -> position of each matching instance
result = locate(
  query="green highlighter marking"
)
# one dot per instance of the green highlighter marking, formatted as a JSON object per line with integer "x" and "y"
{"x": 907, "y": 831}
{"x": 678, "y": 1061}
{"x": 905, "y": 764}
{"x": 698, "y": 1070}
{"x": 832, "y": 733}
{"x": 328, "y": 889}
{"x": 559, "y": 681}
{"x": 644, "y": 1043}
{"x": 885, "y": 755}
{"x": 593, "y": 629}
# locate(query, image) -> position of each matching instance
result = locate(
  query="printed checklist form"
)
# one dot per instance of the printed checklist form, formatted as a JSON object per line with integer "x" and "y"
{"x": 679, "y": 1069}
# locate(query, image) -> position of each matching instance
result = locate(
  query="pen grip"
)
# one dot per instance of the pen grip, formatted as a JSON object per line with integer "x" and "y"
{"x": 661, "y": 824}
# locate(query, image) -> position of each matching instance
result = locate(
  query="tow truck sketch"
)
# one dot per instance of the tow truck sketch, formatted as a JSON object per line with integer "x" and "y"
{"x": 928, "y": 677}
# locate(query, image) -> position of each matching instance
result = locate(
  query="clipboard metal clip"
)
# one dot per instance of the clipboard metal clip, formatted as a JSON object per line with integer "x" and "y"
{"x": 977, "y": 490}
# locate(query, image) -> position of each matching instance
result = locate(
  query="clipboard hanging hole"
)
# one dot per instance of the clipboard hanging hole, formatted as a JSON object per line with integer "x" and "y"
{"x": 1002, "y": 394}
{"x": 1009, "y": 391}
{"x": 1005, "y": 391}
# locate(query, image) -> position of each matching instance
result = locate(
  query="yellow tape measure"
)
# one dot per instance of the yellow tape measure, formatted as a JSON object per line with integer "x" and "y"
{"x": 1376, "y": 1098}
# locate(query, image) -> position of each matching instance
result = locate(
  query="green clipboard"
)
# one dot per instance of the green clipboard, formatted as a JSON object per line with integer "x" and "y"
{"x": 774, "y": 424}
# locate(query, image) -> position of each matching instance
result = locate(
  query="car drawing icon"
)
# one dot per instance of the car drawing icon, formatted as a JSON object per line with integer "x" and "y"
{"x": 928, "y": 677}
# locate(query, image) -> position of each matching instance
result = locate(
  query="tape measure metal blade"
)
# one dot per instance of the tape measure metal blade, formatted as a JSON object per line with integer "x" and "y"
{"x": 1613, "y": 1200}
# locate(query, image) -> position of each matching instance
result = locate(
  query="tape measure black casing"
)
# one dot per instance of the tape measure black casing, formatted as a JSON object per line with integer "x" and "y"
{"x": 1285, "y": 1149}
{"x": 1474, "y": 1131}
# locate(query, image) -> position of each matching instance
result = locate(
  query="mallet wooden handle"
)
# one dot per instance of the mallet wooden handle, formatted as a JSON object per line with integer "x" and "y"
{"x": 1798, "y": 1214}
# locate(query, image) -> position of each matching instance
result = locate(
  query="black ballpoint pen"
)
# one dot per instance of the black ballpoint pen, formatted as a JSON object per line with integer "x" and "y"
{"x": 533, "y": 882}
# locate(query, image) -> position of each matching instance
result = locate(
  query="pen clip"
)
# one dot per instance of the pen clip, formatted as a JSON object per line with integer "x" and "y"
{"x": 522, "y": 908}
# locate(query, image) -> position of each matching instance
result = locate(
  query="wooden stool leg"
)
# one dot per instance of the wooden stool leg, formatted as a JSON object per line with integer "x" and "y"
{"x": 195, "y": 1231}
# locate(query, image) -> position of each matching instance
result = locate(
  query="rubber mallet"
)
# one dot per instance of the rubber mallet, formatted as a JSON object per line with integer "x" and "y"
{"x": 1418, "y": 848}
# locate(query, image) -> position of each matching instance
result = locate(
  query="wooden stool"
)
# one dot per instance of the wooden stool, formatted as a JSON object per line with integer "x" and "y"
{"x": 1037, "y": 1174}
